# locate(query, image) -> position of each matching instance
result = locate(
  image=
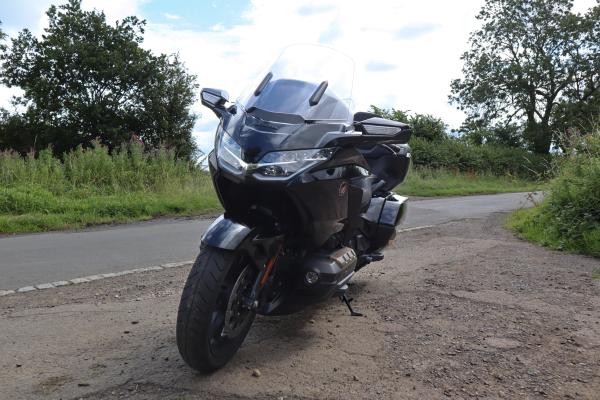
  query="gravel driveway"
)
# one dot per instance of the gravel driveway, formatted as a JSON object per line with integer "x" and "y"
{"x": 460, "y": 310}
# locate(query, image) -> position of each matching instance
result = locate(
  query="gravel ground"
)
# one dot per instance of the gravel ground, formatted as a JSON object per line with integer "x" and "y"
{"x": 461, "y": 310}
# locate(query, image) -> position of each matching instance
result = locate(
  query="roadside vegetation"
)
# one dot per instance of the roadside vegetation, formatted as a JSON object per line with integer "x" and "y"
{"x": 102, "y": 130}
{"x": 91, "y": 186}
{"x": 569, "y": 216}
{"x": 424, "y": 181}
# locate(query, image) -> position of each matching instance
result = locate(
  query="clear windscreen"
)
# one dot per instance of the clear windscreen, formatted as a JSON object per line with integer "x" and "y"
{"x": 312, "y": 81}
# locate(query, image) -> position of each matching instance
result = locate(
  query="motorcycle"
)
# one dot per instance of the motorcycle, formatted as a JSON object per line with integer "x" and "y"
{"x": 306, "y": 186}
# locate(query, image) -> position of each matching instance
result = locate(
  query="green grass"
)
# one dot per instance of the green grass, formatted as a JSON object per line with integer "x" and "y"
{"x": 89, "y": 187}
{"x": 596, "y": 273}
{"x": 569, "y": 217}
{"x": 440, "y": 182}
{"x": 70, "y": 210}
{"x": 92, "y": 187}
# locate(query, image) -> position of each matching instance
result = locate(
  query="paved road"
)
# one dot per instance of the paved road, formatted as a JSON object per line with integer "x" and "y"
{"x": 37, "y": 258}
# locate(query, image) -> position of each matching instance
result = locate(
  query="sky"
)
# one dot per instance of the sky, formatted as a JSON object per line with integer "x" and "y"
{"x": 405, "y": 52}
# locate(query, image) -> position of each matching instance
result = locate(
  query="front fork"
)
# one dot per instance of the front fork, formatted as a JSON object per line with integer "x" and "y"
{"x": 266, "y": 251}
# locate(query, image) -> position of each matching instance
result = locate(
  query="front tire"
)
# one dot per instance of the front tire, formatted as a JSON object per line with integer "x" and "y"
{"x": 212, "y": 321}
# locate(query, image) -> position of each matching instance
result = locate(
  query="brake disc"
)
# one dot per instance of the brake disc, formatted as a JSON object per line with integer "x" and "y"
{"x": 236, "y": 314}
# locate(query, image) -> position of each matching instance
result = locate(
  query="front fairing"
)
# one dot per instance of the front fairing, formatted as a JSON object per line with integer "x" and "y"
{"x": 258, "y": 137}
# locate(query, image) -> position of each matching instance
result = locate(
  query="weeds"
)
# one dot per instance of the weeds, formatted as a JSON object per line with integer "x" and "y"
{"x": 91, "y": 186}
{"x": 569, "y": 216}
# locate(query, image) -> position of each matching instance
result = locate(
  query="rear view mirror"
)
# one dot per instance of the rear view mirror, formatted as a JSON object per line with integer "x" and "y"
{"x": 214, "y": 99}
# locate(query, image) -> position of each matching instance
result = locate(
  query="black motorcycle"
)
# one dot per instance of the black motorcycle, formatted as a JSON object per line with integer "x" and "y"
{"x": 306, "y": 187}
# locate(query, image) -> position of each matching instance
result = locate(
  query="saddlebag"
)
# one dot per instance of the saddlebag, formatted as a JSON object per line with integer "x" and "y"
{"x": 381, "y": 218}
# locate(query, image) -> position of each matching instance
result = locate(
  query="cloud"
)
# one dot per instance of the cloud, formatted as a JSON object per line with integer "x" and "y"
{"x": 399, "y": 62}
{"x": 15, "y": 16}
{"x": 115, "y": 9}
{"x": 332, "y": 33}
{"x": 173, "y": 17}
{"x": 312, "y": 9}
{"x": 413, "y": 31}
{"x": 217, "y": 27}
{"x": 377, "y": 66}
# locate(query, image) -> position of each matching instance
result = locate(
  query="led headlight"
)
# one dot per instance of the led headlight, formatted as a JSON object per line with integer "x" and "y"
{"x": 278, "y": 164}
{"x": 281, "y": 164}
{"x": 230, "y": 153}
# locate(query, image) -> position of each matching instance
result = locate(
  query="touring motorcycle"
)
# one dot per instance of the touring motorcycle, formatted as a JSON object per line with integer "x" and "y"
{"x": 306, "y": 186}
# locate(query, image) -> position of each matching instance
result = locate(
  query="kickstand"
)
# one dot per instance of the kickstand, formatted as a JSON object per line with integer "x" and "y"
{"x": 347, "y": 301}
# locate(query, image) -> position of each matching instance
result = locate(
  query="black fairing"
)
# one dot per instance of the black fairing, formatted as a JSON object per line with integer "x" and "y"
{"x": 332, "y": 203}
{"x": 259, "y": 132}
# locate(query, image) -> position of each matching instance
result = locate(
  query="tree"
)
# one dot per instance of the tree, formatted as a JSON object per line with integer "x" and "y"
{"x": 478, "y": 133}
{"x": 85, "y": 79}
{"x": 392, "y": 113}
{"x": 423, "y": 125}
{"x": 527, "y": 56}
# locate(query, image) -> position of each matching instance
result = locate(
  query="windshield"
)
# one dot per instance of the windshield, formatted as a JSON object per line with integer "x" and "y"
{"x": 311, "y": 81}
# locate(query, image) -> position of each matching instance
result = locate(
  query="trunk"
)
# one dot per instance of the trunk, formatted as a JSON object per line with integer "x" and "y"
{"x": 542, "y": 139}
{"x": 538, "y": 135}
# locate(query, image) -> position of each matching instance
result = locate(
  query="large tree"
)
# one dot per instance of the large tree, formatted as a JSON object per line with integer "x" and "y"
{"x": 528, "y": 56}
{"x": 85, "y": 79}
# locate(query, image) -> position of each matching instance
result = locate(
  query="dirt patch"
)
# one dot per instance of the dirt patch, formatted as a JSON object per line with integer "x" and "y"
{"x": 462, "y": 310}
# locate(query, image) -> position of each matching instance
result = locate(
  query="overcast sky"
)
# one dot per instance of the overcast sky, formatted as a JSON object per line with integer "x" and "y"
{"x": 406, "y": 52}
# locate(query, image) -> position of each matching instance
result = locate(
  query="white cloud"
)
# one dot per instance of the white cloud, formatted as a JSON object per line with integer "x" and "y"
{"x": 6, "y": 94}
{"x": 405, "y": 59}
{"x": 217, "y": 27}
{"x": 406, "y": 53}
{"x": 115, "y": 9}
{"x": 173, "y": 17}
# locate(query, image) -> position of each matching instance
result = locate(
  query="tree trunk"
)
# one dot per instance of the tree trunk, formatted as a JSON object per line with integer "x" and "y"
{"x": 543, "y": 138}
{"x": 538, "y": 135}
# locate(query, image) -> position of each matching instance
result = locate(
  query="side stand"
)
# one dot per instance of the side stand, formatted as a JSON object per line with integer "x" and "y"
{"x": 347, "y": 301}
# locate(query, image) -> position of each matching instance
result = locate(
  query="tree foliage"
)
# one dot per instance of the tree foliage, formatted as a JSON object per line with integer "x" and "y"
{"x": 528, "y": 56}
{"x": 423, "y": 125}
{"x": 85, "y": 79}
{"x": 477, "y": 133}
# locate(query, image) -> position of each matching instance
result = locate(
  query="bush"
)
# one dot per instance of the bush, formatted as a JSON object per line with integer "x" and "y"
{"x": 569, "y": 216}
{"x": 499, "y": 160}
{"x": 500, "y": 155}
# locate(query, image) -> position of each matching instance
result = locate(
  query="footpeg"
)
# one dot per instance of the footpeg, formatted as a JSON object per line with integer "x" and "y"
{"x": 347, "y": 301}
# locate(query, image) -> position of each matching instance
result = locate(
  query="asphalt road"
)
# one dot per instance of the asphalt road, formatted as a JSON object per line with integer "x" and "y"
{"x": 38, "y": 258}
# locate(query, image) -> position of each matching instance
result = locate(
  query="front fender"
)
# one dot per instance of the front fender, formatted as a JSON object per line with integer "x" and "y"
{"x": 226, "y": 234}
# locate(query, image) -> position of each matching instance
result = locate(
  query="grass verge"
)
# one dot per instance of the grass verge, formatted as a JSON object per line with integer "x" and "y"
{"x": 71, "y": 211}
{"x": 440, "y": 182}
{"x": 92, "y": 186}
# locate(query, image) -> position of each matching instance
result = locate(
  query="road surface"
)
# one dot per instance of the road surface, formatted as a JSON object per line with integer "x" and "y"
{"x": 38, "y": 258}
{"x": 462, "y": 310}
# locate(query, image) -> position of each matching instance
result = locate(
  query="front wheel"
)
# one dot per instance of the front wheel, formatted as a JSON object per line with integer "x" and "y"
{"x": 213, "y": 319}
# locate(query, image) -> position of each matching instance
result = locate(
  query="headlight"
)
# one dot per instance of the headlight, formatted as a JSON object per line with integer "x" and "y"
{"x": 230, "y": 153}
{"x": 278, "y": 164}
{"x": 286, "y": 163}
